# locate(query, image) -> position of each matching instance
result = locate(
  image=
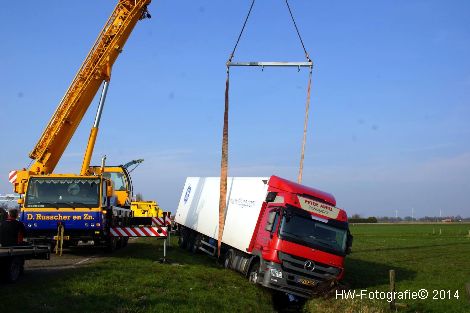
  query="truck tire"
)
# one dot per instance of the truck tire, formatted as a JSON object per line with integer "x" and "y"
{"x": 196, "y": 243}
{"x": 111, "y": 244}
{"x": 124, "y": 242}
{"x": 183, "y": 238}
{"x": 15, "y": 268}
{"x": 191, "y": 240}
{"x": 253, "y": 273}
{"x": 228, "y": 259}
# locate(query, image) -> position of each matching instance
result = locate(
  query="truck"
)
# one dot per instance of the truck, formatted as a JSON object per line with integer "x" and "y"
{"x": 84, "y": 205}
{"x": 279, "y": 234}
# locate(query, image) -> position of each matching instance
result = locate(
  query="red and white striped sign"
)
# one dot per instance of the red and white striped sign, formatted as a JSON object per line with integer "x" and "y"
{"x": 12, "y": 177}
{"x": 138, "y": 231}
{"x": 162, "y": 221}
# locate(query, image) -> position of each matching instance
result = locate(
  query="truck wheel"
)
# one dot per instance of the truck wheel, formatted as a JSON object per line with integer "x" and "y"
{"x": 183, "y": 239}
{"x": 181, "y": 242}
{"x": 254, "y": 273}
{"x": 191, "y": 239}
{"x": 228, "y": 259}
{"x": 15, "y": 269}
{"x": 196, "y": 244}
{"x": 111, "y": 244}
{"x": 124, "y": 242}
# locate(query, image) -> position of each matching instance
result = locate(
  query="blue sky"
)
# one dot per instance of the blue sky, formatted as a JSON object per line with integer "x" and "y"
{"x": 390, "y": 96}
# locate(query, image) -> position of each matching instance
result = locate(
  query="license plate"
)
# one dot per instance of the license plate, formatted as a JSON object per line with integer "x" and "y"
{"x": 65, "y": 237}
{"x": 306, "y": 282}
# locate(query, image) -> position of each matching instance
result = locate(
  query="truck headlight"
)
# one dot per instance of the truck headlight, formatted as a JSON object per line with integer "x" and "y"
{"x": 276, "y": 273}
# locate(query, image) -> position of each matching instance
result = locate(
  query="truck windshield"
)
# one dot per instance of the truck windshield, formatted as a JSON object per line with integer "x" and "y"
{"x": 62, "y": 192}
{"x": 298, "y": 226}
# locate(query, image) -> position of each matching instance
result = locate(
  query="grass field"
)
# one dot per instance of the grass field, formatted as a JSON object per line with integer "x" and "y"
{"x": 132, "y": 281}
{"x": 422, "y": 259}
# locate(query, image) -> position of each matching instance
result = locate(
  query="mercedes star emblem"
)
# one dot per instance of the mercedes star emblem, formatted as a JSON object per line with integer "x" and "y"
{"x": 309, "y": 265}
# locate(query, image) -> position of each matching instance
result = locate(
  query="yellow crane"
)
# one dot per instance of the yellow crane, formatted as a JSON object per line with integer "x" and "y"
{"x": 84, "y": 204}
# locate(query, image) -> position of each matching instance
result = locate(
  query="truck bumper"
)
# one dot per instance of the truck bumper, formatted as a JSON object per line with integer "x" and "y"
{"x": 272, "y": 276}
{"x": 69, "y": 235}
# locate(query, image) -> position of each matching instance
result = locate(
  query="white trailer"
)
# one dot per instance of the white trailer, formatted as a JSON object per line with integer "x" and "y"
{"x": 198, "y": 209}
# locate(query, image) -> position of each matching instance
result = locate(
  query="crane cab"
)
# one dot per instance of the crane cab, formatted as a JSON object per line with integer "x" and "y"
{"x": 120, "y": 180}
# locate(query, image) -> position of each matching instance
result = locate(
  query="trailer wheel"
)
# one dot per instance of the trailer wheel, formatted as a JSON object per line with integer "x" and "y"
{"x": 183, "y": 238}
{"x": 181, "y": 242}
{"x": 228, "y": 258}
{"x": 196, "y": 243}
{"x": 191, "y": 240}
{"x": 15, "y": 268}
{"x": 254, "y": 272}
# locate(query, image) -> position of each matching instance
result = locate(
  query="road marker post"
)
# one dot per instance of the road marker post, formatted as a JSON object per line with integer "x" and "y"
{"x": 391, "y": 274}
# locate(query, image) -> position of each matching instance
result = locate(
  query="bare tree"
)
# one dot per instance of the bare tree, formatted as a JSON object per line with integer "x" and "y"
{"x": 139, "y": 197}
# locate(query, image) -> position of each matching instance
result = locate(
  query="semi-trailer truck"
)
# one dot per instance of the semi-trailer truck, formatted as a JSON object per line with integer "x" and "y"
{"x": 280, "y": 234}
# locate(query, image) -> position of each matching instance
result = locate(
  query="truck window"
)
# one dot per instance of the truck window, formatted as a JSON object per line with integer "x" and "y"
{"x": 273, "y": 218}
{"x": 118, "y": 180}
{"x": 103, "y": 193}
{"x": 62, "y": 192}
{"x": 276, "y": 220}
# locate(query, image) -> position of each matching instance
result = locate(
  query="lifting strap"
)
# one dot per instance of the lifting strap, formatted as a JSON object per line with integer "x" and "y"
{"x": 224, "y": 161}
{"x": 59, "y": 240}
{"x": 223, "y": 168}
{"x": 304, "y": 139}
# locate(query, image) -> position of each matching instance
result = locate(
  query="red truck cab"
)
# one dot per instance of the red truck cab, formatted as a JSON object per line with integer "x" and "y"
{"x": 301, "y": 239}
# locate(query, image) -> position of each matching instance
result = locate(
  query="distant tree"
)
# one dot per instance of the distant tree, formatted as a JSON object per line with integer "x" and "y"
{"x": 370, "y": 219}
{"x": 355, "y": 216}
{"x": 139, "y": 197}
{"x": 384, "y": 219}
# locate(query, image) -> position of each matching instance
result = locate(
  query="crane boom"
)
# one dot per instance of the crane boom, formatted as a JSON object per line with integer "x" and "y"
{"x": 95, "y": 69}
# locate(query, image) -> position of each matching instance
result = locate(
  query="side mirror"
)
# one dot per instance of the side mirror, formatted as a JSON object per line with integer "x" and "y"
{"x": 20, "y": 201}
{"x": 109, "y": 191}
{"x": 270, "y": 222}
{"x": 19, "y": 188}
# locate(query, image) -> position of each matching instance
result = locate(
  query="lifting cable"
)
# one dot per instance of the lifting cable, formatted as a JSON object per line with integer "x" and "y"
{"x": 224, "y": 160}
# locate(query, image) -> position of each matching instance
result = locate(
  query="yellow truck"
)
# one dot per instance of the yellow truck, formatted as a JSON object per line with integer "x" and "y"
{"x": 146, "y": 209}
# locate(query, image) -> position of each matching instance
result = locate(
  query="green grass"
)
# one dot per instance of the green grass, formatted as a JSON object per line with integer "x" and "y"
{"x": 131, "y": 281}
{"x": 422, "y": 259}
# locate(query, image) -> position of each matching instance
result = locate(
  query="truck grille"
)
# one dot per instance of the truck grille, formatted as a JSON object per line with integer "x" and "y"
{"x": 296, "y": 265}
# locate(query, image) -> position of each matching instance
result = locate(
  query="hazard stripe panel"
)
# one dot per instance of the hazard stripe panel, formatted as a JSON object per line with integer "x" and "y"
{"x": 12, "y": 177}
{"x": 162, "y": 221}
{"x": 155, "y": 231}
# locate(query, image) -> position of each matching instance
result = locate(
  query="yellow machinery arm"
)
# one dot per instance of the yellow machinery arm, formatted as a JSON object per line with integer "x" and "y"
{"x": 95, "y": 69}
